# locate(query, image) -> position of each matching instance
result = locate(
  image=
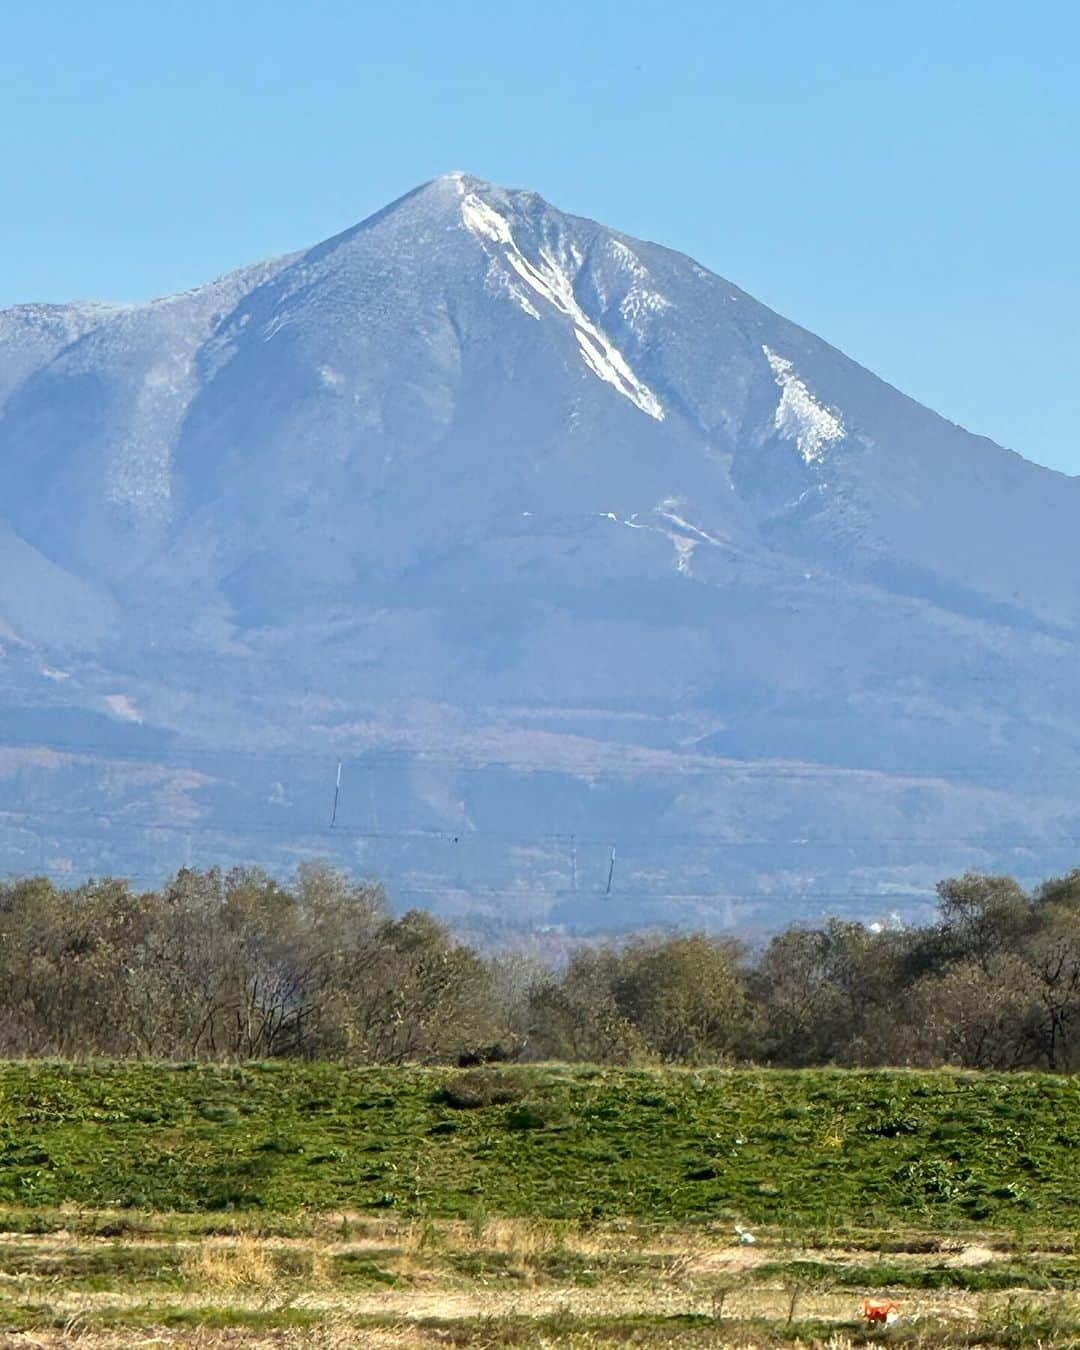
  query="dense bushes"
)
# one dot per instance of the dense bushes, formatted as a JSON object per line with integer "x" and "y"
{"x": 239, "y": 966}
{"x": 233, "y": 966}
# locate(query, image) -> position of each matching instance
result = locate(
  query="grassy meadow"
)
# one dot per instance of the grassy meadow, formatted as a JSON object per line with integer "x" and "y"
{"x": 282, "y": 1203}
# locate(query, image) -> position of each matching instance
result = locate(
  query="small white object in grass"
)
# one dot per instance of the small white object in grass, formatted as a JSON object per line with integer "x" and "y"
{"x": 746, "y": 1238}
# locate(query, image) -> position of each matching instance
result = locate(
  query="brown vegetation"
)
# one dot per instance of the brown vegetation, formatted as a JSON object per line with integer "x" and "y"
{"x": 240, "y": 966}
{"x": 351, "y": 1280}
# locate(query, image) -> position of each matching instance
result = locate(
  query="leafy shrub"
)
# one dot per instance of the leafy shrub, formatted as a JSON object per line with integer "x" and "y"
{"x": 533, "y": 1116}
{"x": 704, "y": 1172}
{"x": 892, "y": 1126}
{"x": 212, "y": 1111}
{"x": 478, "y": 1088}
{"x": 933, "y": 1178}
{"x": 489, "y": 1054}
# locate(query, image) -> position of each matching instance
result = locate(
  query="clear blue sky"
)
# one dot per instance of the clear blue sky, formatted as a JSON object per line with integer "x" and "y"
{"x": 902, "y": 178}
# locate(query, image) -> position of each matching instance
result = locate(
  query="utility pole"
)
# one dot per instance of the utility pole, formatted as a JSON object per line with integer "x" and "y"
{"x": 337, "y": 794}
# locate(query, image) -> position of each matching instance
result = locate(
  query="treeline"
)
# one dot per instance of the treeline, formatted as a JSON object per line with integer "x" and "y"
{"x": 236, "y": 965}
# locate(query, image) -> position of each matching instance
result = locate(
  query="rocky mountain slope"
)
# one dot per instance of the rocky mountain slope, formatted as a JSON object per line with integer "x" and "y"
{"x": 560, "y": 543}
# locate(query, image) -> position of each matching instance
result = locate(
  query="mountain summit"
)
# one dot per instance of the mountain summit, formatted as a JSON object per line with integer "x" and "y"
{"x": 561, "y": 543}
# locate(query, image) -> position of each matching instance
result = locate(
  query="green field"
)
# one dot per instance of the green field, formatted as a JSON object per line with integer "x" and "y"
{"x": 795, "y": 1148}
{"x": 414, "y": 1206}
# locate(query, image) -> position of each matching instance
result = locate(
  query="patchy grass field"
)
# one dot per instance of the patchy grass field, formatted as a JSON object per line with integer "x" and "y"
{"x": 277, "y": 1205}
{"x": 348, "y": 1280}
{"x": 816, "y": 1148}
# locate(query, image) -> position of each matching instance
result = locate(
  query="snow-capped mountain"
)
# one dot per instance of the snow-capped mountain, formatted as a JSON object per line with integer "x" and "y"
{"x": 561, "y": 543}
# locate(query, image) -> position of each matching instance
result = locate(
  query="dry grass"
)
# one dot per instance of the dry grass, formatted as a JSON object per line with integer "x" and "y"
{"x": 371, "y": 1338}
{"x": 245, "y": 1263}
{"x": 350, "y": 1280}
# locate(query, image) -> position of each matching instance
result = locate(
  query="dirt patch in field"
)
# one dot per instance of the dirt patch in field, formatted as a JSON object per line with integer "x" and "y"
{"x": 729, "y": 1260}
{"x": 972, "y": 1255}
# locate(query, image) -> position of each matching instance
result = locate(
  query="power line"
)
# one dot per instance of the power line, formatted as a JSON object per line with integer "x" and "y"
{"x": 554, "y": 839}
{"x": 667, "y": 897}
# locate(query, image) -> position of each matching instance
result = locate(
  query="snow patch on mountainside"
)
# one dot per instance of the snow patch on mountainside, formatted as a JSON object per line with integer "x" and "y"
{"x": 640, "y": 303}
{"x": 684, "y": 552}
{"x": 799, "y": 417}
{"x": 139, "y": 472}
{"x": 685, "y": 536}
{"x": 484, "y": 220}
{"x": 123, "y": 707}
{"x": 551, "y": 283}
{"x": 499, "y": 281}
{"x": 666, "y": 509}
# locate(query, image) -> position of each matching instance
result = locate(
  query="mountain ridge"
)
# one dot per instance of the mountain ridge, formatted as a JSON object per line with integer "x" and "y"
{"x": 474, "y": 463}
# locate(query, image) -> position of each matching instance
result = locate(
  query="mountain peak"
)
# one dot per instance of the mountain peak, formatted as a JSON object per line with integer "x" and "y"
{"x": 461, "y": 179}
{"x": 462, "y": 182}
{"x": 439, "y": 201}
{"x": 525, "y": 507}
{"x": 457, "y": 185}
